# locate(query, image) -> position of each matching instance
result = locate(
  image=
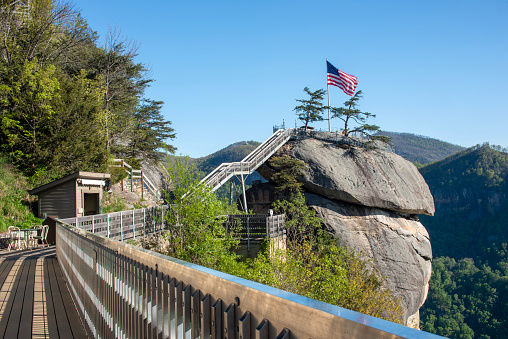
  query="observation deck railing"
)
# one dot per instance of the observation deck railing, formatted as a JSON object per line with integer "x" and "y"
{"x": 122, "y": 225}
{"x": 123, "y": 291}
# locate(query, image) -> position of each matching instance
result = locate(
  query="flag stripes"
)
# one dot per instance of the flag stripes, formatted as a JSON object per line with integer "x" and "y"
{"x": 344, "y": 81}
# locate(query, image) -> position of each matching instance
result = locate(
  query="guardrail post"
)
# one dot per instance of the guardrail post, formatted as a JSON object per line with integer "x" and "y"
{"x": 108, "y": 227}
{"x": 121, "y": 224}
{"x": 133, "y": 226}
{"x": 153, "y": 218}
{"x": 142, "y": 185}
{"x": 248, "y": 234}
{"x": 93, "y": 223}
{"x": 132, "y": 181}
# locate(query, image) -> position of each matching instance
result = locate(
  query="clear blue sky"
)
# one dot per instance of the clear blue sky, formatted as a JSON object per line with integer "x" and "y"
{"x": 229, "y": 70}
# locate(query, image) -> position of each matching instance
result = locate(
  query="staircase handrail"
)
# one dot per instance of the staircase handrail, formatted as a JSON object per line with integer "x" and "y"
{"x": 153, "y": 189}
{"x": 251, "y": 162}
{"x": 151, "y": 186}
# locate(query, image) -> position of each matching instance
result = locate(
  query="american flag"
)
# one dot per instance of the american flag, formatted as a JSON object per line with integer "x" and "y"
{"x": 344, "y": 81}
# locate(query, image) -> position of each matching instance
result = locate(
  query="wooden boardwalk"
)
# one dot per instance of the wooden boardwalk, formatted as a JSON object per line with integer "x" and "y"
{"x": 34, "y": 299}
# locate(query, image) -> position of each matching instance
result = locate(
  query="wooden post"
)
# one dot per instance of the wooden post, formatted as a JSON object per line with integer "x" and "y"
{"x": 132, "y": 182}
{"x": 142, "y": 185}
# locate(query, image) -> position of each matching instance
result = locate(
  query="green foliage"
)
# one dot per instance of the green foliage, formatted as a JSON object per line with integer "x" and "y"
{"x": 311, "y": 110}
{"x": 382, "y": 138}
{"x": 197, "y": 233}
{"x": 78, "y": 134}
{"x": 15, "y": 202}
{"x": 65, "y": 102}
{"x": 150, "y": 132}
{"x": 302, "y": 225}
{"x": 117, "y": 174}
{"x": 470, "y": 192}
{"x": 313, "y": 265}
{"x": 331, "y": 274}
{"x": 28, "y": 108}
{"x": 482, "y": 166}
{"x": 113, "y": 203}
{"x": 468, "y": 300}
{"x": 350, "y": 114}
{"x": 287, "y": 171}
{"x": 234, "y": 152}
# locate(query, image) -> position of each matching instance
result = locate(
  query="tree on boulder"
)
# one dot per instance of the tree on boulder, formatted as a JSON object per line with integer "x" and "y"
{"x": 287, "y": 171}
{"x": 350, "y": 114}
{"x": 312, "y": 109}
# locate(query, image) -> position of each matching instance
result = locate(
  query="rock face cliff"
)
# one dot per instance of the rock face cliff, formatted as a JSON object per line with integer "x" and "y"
{"x": 369, "y": 200}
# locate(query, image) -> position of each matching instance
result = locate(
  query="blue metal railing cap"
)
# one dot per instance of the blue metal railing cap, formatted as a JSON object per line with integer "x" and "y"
{"x": 370, "y": 321}
{"x": 377, "y": 323}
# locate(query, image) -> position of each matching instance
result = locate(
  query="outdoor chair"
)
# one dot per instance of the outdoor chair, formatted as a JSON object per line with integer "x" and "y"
{"x": 35, "y": 236}
{"x": 43, "y": 235}
{"x": 17, "y": 238}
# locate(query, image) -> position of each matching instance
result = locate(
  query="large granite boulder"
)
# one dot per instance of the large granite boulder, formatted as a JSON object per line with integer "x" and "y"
{"x": 369, "y": 200}
{"x": 399, "y": 246}
{"x": 370, "y": 178}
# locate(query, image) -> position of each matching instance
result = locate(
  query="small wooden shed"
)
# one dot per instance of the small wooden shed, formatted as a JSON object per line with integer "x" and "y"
{"x": 75, "y": 195}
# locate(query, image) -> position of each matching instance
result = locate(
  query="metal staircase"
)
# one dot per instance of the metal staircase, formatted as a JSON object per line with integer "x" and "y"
{"x": 250, "y": 163}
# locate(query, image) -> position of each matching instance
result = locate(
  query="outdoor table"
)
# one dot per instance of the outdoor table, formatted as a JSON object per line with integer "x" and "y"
{"x": 28, "y": 235}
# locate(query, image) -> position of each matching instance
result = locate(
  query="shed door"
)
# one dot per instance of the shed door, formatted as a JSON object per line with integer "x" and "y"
{"x": 91, "y": 203}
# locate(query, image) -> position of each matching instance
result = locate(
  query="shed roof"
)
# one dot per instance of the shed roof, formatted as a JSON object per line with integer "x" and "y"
{"x": 77, "y": 175}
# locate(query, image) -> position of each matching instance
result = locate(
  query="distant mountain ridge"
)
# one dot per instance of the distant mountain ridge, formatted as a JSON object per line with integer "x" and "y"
{"x": 471, "y": 198}
{"x": 412, "y": 147}
{"x": 421, "y": 149}
{"x": 415, "y": 148}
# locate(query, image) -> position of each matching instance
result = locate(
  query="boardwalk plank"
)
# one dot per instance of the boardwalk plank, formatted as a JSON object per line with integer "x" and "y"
{"x": 8, "y": 302}
{"x": 18, "y": 282}
{"x": 25, "y": 330}
{"x": 15, "y": 302}
{"x": 64, "y": 329}
{"x": 71, "y": 313}
{"x": 5, "y": 268}
{"x": 52, "y": 324}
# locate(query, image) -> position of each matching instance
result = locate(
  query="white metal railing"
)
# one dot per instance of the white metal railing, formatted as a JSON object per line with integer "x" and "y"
{"x": 251, "y": 162}
{"x": 122, "y": 225}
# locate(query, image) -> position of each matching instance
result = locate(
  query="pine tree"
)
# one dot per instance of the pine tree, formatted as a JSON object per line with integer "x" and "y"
{"x": 150, "y": 132}
{"x": 311, "y": 110}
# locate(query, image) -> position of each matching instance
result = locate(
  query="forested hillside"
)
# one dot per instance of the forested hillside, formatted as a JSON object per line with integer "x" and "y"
{"x": 469, "y": 284}
{"x": 231, "y": 153}
{"x": 15, "y": 203}
{"x": 421, "y": 149}
{"x": 67, "y": 102}
{"x": 470, "y": 192}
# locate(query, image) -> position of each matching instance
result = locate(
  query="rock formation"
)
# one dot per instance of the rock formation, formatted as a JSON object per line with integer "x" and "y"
{"x": 369, "y": 200}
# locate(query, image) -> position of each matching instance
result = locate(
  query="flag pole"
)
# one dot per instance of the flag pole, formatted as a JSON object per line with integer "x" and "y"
{"x": 328, "y": 92}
